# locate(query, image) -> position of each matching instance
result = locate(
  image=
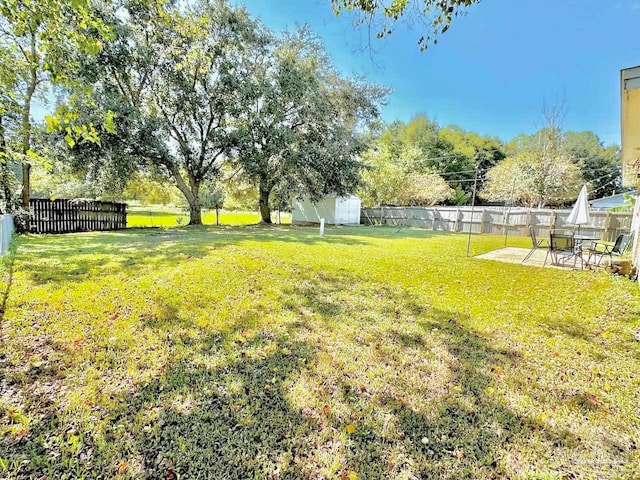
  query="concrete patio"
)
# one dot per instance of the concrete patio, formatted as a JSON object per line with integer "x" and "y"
{"x": 516, "y": 255}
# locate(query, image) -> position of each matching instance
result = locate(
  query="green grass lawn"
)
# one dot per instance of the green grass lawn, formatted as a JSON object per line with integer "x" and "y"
{"x": 158, "y": 216}
{"x": 265, "y": 353}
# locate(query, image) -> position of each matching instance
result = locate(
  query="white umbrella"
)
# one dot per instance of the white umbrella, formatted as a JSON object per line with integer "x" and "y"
{"x": 580, "y": 213}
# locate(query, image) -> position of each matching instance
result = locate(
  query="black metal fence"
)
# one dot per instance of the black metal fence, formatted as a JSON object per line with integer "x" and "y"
{"x": 65, "y": 216}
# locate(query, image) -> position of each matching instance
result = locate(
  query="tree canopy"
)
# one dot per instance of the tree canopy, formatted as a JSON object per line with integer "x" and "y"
{"x": 198, "y": 87}
{"x": 600, "y": 164}
{"x": 390, "y": 179}
{"x": 540, "y": 173}
{"x": 300, "y": 123}
{"x": 168, "y": 76}
{"x": 38, "y": 44}
{"x": 434, "y": 17}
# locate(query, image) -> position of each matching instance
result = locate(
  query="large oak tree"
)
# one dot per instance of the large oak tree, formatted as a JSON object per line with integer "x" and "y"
{"x": 301, "y": 125}
{"x": 169, "y": 76}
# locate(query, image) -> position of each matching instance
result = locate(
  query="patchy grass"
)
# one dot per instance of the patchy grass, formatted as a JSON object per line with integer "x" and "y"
{"x": 275, "y": 353}
{"x": 158, "y": 216}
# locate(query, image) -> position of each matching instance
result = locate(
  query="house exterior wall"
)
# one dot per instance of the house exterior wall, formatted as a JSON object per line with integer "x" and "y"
{"x": 630, "y": 124}
{"x": 630, "y": 128}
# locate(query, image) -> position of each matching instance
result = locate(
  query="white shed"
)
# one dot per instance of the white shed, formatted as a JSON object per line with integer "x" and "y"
{"x": 334, "y": 209}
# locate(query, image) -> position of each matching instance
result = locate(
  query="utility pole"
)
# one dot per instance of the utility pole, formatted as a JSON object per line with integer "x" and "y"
{"x": 473, "y": 205}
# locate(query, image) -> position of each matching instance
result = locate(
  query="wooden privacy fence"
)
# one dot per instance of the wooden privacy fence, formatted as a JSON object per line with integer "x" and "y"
{"x": 497, "y": 220}
{"x": 64, "y": 216}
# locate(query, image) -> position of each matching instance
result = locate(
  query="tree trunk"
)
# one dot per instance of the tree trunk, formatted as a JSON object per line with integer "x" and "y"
{"x": 195, "y": 208}
{"x": 191, "y": 192}
{"x": 4, "y": 168}
{"x": 265, "y": 209}
{"x": 26, "y": 126}
{"x": 26, "y": 184}
{"x": 195, "y": 212}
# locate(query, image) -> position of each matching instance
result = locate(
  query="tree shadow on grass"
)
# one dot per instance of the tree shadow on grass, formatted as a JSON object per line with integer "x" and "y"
{"x": 470, "y": 431}
{"x": 229, "y": 407}
{"x": 233, "y": 421}
{"x": 79, "y": 257}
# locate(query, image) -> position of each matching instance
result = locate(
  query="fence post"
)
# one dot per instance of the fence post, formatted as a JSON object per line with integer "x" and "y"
{"x": 552, "y": 222}
{"x": 607, "y": 226}
{"x": 504, "y": 222}
{"x": 456, "y": 227}
{"x": 483, "y": 219}
{"x": 528, "y": 222}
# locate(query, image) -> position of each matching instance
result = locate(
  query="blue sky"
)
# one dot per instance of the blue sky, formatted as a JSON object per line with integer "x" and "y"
{"x": 494, "y": 69}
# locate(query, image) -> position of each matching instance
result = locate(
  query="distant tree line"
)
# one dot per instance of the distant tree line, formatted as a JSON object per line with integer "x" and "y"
{"x": 422, "y": 163}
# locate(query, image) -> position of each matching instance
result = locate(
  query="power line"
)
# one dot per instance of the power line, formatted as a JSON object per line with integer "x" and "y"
{"x": 464, "y": 171}
{"x": 465, "y": 180}
{"x": 603, "y": 186}
{"x": 611, "y": 172}
{"x": 610, "y": 169}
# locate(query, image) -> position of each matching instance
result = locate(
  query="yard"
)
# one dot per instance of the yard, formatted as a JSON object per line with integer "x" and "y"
{"x": 163, "y": 216}
{"x": 226, "y": 352}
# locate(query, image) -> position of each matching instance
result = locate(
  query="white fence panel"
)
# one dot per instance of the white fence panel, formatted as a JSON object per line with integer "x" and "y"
{"x": 6, "y": 232}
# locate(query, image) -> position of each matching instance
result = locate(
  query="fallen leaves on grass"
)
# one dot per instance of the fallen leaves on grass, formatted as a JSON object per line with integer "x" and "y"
{"x": 122, "y": 468}
{"x": 172, "y": 475}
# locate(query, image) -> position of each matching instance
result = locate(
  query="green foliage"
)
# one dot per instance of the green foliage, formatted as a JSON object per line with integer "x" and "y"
{"x": 148, "y": 190}
{"x": 59, "y": 182}
{"x": 263, "y": 352}
{"x": 300, "y": 122}
{"x": 422, "y": 147}
{"x": 389, "y": 180}
{"x": 534, "y": 179}
{"x": 212, "y": 197}
{"x": 39, "y": 45}
{"x": 435, "y": 15}
{"x": 539, "y": 172}
{"x": 240, "y": 193}
{"x": 601, "y": 165}
{"x": 460, "y": 197}
{"x": 550, "y": 166}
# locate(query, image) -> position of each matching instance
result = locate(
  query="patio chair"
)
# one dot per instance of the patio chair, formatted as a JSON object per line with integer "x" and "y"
{"x": 536, "y": 244}
{"x": 562, "y": 248}
{"x": 601, "y": 249}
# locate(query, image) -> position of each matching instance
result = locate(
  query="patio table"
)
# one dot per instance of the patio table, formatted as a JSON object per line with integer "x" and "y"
{"x": 582, "y": 238}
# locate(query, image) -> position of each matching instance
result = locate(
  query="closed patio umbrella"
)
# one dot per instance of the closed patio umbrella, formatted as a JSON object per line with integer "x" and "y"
{"x": 580, "y": 213}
